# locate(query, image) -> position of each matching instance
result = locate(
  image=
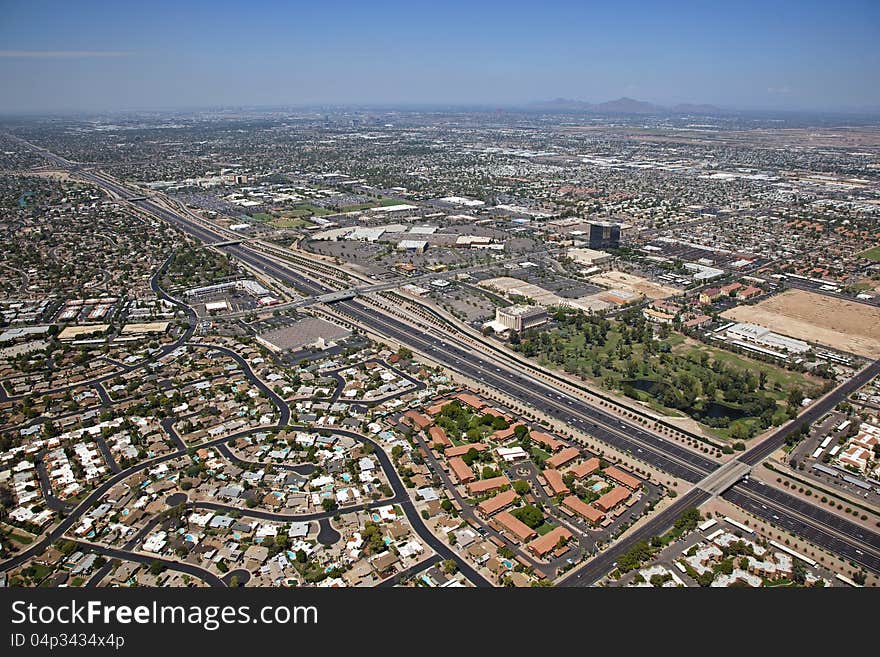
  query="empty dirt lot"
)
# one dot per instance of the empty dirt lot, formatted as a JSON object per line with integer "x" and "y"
{"x": 635, "y": 284}
{"x": 836, "y": 323}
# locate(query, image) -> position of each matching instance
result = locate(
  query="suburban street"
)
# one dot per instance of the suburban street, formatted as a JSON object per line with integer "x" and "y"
{"x": 825, "y": 529}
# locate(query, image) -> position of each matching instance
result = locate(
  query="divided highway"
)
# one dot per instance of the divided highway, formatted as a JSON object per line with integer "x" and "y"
{"x": 825, "y": 529}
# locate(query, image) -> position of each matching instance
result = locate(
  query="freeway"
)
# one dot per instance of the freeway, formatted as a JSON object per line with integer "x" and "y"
{"x": 461, "y": 357}
{"x": 810, "y": 513}
{"x": 823, "y": 528}
{"x": 642, "y": 444}
{"x": 458, "y": 356}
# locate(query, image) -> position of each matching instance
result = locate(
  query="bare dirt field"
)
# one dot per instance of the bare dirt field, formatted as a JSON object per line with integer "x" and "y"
{"x": 835, "y": 323}
{"x": 635, "y": 284}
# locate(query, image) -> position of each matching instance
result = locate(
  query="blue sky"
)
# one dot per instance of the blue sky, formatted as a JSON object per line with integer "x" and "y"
{"x": 114, "y": 55}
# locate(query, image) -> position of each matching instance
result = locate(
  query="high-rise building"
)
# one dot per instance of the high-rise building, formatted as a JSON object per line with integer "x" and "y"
{"x": 604, "y": 235}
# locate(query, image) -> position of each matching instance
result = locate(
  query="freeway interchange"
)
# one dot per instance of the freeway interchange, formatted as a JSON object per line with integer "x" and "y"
{"x": 522, "y": 382}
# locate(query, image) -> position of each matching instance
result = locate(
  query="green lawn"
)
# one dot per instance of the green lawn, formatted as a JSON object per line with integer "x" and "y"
{"x": 40, "y": 571}
{"x": 871, "y": 254}
{"x": 358, "y": 207}
{"x": 546, "y": 528}
{"x": 18, "y": 538}
{"x": 785, "y": 378}
{"x": 285, "y": 222}
{"x": 725, "y": 432}
{"x": 262, "y": 216}
{"x": 541, "y": 454}
{"x": 616, "y": 355}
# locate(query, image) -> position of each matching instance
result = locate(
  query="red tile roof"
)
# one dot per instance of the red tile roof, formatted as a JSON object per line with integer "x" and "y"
{"x": 487, "y": 485}
{"x": 622, "y": 477}
{"x": 493, "y": 504}
{"x": 504, "y": 434}
{"x": 554, "y": 480}
{"x": 471, "y": 400}
{"x": 547, "y": 543}
{"x": 439, "y": 436}
{"x": 584, "y": 510}
{"x": 545, "y": 439}
{"x": 586, "y": 468}
{"x": 461, "y": 450}
{"x": 563, "y": 457}
{"x": 612, "y": 498}
{"x": 462, "y": 472}
{"x": 515, "y": 526}
{"x": 417, "y": 420}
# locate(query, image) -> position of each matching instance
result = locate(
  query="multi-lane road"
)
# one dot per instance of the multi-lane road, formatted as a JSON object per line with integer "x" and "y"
{"x": 665, "y": 455}
{"x": 826, "y": 529}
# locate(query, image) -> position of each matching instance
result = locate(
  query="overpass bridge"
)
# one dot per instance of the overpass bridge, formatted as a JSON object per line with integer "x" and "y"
{"x": 332, "y": 297}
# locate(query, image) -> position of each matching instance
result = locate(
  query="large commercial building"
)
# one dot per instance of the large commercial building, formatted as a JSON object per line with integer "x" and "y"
{"x": 763, "y": 339}
{"x": 589, "y": 257}
{"x": 604, "y": 235}
{"x": 520, "y": 318}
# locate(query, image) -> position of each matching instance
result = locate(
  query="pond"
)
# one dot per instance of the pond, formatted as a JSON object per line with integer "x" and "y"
{"x": 713, "y": 409}
{"x": 716, "y": 410}
{"x": 652, "y": 387}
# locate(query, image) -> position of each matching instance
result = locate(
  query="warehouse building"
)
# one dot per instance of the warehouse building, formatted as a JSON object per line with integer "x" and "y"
{"x": 752, "y": 334}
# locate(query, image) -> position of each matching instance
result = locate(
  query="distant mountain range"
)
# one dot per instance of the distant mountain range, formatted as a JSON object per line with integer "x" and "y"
{"x": 623, "y": 106}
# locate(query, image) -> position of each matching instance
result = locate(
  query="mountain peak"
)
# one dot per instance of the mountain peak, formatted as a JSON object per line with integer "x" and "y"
{"x": 624, "y": 105}
{"x": 627, "y": 105}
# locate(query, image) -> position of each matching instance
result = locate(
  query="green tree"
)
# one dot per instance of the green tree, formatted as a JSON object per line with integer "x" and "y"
{"x": 521, "y": 486}
{"x": 529, "y": 515}
{"x": 450, "y": 566}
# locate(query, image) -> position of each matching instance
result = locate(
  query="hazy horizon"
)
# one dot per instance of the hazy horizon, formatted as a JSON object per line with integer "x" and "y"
{"x": 768, "y": 56}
